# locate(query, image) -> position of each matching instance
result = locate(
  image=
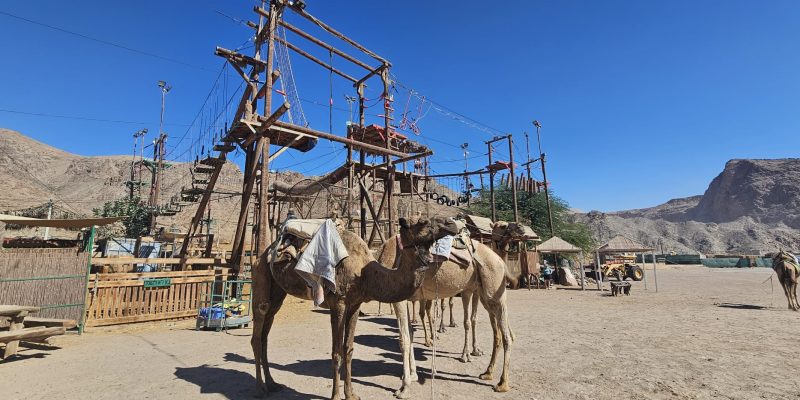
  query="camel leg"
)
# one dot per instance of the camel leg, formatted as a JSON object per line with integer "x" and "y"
{"x": 474, "y": 322}
{"x": 452, "y": 320}
{"x": 351, "y": 318}
{"x": 441, "y": 317}
{"x": 424, "y": 308}
{"x": 278, "y": 295}
{"x": 785, "y": 287}
{"x": 466, "y": 298}
{"x": 508, "y": 337}
{"x": 337, "y": 336}
{"x": 413, "y": 312}
{"x": 267, "y": 300}
{"x": 406, "y": 348}
{"x": 793, "y": 292}
{"x": 488, "y": 374}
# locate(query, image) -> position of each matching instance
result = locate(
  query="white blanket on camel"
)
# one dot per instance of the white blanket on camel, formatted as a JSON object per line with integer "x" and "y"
{"x": 325, "y": 251}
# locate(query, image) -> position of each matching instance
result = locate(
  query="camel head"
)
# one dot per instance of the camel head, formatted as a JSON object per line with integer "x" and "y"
{"x": 422, "y": 232}
{"x": 504, "y": 232}
{"x": 781, "y": 256}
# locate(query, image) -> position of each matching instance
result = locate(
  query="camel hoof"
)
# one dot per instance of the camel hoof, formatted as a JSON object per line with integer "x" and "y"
{"x": 501, "y": 388}
{"x": 465, "y": 358}
{"x": 352, "y": 397}
{"x": 486, "y": 376}
{"x": 428, "y": 343}
{"x": 441, "y": 330}
{"x": 453, "y": 325}
{"x": 413, "y": 321}
{"x": 477, "y": 352}
{"x": 273, "y": 387}
{"x": 402, "y": 393}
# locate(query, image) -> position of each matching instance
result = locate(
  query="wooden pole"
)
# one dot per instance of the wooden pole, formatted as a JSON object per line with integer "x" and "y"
{"x": 513, "y": 177}
{"x": 491, "y": 183}
{"x": 655, "y": 274}
{"x": 390, "y": 169}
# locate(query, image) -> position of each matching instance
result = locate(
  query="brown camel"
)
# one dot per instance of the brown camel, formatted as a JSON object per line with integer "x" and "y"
{"x": 359, "y": 278}
{"x": 788, "y": 272}
{"x": 485, "y": 276}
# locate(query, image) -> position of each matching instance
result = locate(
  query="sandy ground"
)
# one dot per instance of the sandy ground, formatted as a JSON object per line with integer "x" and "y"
{"x": 707, "y": 334}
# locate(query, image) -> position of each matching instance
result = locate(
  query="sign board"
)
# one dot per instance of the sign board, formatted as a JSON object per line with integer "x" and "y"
{"x": 157, "y": 282}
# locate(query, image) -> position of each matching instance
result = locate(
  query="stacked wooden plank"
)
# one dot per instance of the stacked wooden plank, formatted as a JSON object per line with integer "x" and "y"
{"x": 24, "y": 328}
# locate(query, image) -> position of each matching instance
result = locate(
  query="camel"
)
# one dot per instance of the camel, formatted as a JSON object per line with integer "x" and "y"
{"x": 503, "y": 233}
{"x": 788, "y": 272}
{"x": 359, "y": 278}
{"x": 486, "y": 277}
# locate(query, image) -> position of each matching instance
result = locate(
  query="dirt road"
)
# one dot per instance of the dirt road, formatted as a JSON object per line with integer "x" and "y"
{"x": 707, "y": 334}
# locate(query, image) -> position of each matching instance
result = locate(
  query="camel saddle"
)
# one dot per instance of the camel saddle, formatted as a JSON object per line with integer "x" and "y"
{"x": 460, "y": 251}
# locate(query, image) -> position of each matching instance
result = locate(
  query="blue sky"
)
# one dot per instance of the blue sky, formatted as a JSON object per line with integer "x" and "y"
{"x": 640, "y": 101}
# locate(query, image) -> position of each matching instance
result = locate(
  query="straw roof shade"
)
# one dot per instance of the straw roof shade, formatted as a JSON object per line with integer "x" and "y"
{"x": 557, "y": 245}
{"x": 620, "y": 244}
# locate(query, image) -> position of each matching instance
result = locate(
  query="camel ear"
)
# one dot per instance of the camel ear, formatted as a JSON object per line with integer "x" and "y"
{"x": 403, "y": 223}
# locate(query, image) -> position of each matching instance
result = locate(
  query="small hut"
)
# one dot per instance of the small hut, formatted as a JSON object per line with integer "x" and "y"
{"x": 557, "y": 245}
{"x": 480, "y": 228}
{"x": 622, "y": 244}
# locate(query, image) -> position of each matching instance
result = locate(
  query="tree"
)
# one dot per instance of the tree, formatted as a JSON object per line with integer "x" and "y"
{"x": 533, "y": 211}
{"x": 137, "y": 217}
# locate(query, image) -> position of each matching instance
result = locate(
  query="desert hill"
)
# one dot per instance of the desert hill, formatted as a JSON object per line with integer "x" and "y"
{"x": 752, "y": 206}
{"x": 33, "y": 173}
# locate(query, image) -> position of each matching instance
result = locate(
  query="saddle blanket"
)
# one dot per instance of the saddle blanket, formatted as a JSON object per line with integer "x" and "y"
{"x": 317, "y": 262}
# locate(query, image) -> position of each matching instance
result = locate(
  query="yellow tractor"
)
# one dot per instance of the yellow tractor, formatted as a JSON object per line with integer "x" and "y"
{"x": 622, "y": 267}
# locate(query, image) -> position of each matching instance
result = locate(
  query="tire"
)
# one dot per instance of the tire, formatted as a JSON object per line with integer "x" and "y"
{"x": 636, "y": 273}
{"x": 442, "y": 200}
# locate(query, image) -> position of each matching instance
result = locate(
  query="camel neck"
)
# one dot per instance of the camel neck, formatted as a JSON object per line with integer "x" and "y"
{"x": 393, "y": 285}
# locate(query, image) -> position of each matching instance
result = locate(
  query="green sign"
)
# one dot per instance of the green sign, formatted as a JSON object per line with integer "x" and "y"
{"x": 157, "y": 282}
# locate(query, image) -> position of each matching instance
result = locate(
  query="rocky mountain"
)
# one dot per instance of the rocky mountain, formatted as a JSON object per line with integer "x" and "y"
{"x": 753, "y": 206}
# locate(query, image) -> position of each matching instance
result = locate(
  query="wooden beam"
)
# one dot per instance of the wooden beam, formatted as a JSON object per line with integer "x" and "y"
{"x": 290, "y": 128}
{"x": 369, "y": 75}
{"x": 398, "y": 161}
{"x": 375, "y": 218}
{"x": 13, "y": 311}
{"x": 325, "y": 45}
{"x": 50, "y": 322}
{"x": 266, "y": 122}
{"x": 30, "y": 333}
{"x": 315, "y": 59}
{"x": 327, "y": 28}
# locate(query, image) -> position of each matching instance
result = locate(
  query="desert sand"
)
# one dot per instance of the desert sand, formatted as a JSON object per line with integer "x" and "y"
{"x": 706, "y": 334}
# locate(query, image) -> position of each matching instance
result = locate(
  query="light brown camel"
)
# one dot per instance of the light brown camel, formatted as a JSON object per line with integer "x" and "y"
{"x": 503, "y": 233}
{"x": 485, "y": 276}
{"x": 359, "y": 278}
{"x": 788, "y": 272}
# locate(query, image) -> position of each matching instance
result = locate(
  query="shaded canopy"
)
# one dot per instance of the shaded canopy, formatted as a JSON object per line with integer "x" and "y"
{"x": 530, "y": 234}
{"x": 479, "y": 225}
{"x": 620, "y": 244}
{"x": 557, "y": 245}
{"x": 58, "y": 223}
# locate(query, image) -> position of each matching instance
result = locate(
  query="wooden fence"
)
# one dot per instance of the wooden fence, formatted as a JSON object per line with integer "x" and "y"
{"x": 52, "y": 279}
{"x": 121, "y": 298}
